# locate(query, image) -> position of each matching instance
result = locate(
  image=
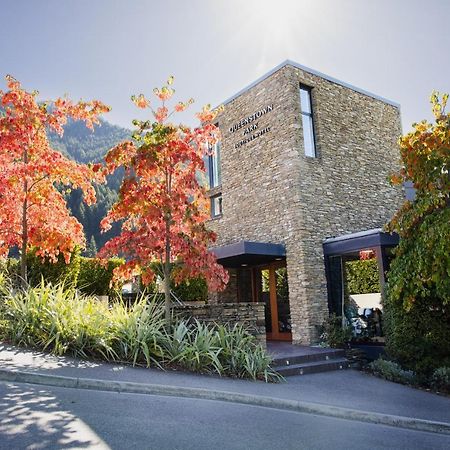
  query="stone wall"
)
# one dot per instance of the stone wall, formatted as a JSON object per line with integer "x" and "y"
{"x": 273, "y": 193}
{"x": 250, "y": 315}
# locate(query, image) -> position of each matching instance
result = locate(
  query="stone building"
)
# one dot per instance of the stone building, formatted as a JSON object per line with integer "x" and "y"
{"x": 303, "y": 157}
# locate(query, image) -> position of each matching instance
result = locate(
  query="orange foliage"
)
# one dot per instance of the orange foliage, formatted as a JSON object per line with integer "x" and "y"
{"x": 162, "y": 204}
{"x": 32, "y": 210}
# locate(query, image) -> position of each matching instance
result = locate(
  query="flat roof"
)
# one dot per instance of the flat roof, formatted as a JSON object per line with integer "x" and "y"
{"x": 358, "y": 234}
{"x": 248, "y": 253}
{"x": 361, "y": 240}
{"x": 288, "y": 62}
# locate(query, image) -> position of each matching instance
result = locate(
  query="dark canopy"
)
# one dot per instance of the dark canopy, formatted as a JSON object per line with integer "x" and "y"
{"x": 348, "y": 243}
{"x": 248, "y": 253}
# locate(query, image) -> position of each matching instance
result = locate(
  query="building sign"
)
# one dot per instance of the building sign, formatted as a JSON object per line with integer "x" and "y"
{"x": 251, "y": 126}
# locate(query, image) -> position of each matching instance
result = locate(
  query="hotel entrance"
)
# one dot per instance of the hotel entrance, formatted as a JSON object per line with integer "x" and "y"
{"x": 261, "y": 276}
{"x": 271, "y": 288}
{"x": 268, "y": 284}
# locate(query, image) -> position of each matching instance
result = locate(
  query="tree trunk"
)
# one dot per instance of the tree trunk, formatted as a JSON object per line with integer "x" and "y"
{"x": 166, "y": 270}
{"x": 23, "y": 255}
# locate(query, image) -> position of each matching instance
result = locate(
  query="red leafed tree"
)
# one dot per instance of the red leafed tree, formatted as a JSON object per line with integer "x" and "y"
{"x": 162, "y": 204}
{"x": 33, "y": 211}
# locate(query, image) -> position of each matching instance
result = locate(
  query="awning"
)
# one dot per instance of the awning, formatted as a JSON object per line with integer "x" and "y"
{"x": 249, "y": 253}
{"x": 359, "y": 241}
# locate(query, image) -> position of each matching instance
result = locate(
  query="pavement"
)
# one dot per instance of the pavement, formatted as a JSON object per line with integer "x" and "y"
{"x": 347, "y": 394}
{"x": 54, "y": 418}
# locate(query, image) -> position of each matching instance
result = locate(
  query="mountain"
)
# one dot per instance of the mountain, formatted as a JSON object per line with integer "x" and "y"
{"x": 85, "y": 146}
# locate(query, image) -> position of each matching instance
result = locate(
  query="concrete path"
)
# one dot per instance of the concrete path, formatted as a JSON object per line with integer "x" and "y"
{"x": 343, "y": 394}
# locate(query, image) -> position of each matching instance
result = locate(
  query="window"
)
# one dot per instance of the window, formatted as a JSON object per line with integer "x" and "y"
{"x": 216, "y": 205}
{"x": 213, "y": 173}
{"x": 309, "y": 140}
{"x": 213, "y": 167}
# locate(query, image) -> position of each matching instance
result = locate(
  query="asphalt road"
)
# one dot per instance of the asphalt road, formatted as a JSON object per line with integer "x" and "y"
{"x": 38, "y": 417}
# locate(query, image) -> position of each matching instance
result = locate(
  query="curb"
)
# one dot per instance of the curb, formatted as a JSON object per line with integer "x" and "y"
{"x": 224, "y": 396}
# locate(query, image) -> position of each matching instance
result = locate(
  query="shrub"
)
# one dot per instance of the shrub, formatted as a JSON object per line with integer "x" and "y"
{"x": 191, "y": 290}
{"x": 391, "y": 371}
{"x": 334, "y": 334}
{"x": 417, "y": 307}
{"x": 42, "y": 268}
{"x": 3, "y": 280}
{"x": 95, "y": 278}
{"x": 419, "y": 338}
{"x": 441, "y": 379}
{"x": 362, "y": 276}
{"x": 10, "y": 270}
{"x": 188, "y": 290}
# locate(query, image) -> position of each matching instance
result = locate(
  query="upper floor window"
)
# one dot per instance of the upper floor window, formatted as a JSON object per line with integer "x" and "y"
{"x": 309, "y": 140}
{"x": 216, "y": 205}
{"x": 213, "y": 166}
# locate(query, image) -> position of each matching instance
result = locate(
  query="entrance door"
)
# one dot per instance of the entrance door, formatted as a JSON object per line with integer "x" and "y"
{"x": 272, "y": 290}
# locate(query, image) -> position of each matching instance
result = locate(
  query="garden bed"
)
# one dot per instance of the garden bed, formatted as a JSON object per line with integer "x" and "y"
{"x": 63, "y": 322}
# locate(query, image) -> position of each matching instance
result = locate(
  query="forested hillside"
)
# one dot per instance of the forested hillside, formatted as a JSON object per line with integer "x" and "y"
{"x": 83, "y": 145}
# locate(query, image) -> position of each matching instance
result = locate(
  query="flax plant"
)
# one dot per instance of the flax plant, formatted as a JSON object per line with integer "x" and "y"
{"x": 56, "y": 318}
{"x": 139, "y": 332}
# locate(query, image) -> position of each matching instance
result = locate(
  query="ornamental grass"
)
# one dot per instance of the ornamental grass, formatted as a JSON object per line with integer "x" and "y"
{"x": 60, "y": 320}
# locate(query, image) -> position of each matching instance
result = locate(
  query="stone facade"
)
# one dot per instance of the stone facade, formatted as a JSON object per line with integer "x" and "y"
{"x": 250, "y": 315}
{"x": 273, "y": 193}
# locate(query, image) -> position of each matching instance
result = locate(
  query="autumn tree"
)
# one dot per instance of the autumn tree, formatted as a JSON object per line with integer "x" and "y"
{"x": 33, "y": 212}
{"x": 162, "y": 204}
{"x": 417, "y": 304}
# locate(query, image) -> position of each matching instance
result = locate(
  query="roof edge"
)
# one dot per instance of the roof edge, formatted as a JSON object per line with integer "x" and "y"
{"x": 358, "y": 234}
{"x": 288, "y": 62}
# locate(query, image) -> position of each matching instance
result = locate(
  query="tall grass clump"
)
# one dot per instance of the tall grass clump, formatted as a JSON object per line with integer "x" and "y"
{"x": 194, "y": 347}
{"x": 139, "y": 332}
{"x": 242, "y": 356}
{"x": 58, "y": 319}
{"x": 55, "y": 318}
{"x": 220, "y": 349}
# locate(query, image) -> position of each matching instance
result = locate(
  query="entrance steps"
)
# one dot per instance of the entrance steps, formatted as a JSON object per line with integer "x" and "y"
{"x": 289, "y": 360}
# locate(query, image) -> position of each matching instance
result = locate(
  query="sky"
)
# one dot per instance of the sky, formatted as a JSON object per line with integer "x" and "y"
{"x": 111, "y": 49}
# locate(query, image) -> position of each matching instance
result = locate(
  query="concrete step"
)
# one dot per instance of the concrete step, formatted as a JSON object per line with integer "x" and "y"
{"x": 312, "y": 367}
{"x": 301, "y": 358}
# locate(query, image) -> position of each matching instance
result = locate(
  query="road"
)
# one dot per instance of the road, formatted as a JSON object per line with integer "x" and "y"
{"x": 41, "y": 417}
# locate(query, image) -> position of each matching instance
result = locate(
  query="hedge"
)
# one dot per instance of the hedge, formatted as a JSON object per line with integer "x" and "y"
{"x": 91, "y": 277}
{"x": 95, "y": 278}
{"x": 9, "y": 268}
{"x": 38, "y": 268}
{"x": 417, "y": 303}
{"x": 194, "y": 289}
{"x": 362, "y": 276}
{"x": 190, "y": 290}
{"x": 419, "y": 338}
